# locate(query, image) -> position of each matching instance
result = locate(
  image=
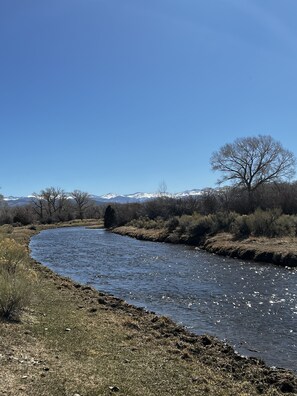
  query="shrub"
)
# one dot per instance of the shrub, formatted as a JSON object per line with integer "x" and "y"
{"x": 184, "y": 225}
{"x": 222, "y": 221}
{"x": 147, "y": 223}
{"x": 240, "y": 227}
{"x": 285, "y": 225}
{"x": 16, "y": 279}
{"x": 262, "y": 222}
{"x": 12, "y": 255}
{"x": 139, "y": 223}
{"x": 15, "y": 290}
{"x": 172, "y": 224}
{"x": 268, "y": 223}
{"x": 200, "y": 227}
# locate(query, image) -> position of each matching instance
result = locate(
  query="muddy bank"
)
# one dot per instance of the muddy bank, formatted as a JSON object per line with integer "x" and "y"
{"x": 280, "y": 251}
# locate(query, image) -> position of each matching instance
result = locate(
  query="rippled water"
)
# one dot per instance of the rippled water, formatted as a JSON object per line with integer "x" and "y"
{"x": 250, "y": 305}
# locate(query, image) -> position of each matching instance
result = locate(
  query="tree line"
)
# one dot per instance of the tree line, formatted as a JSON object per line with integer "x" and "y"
{"x": 256, "y": 173}
{"x": 255, "y": 196}
{"x": 51, "y": 205}
{"x": 281, "y": 196}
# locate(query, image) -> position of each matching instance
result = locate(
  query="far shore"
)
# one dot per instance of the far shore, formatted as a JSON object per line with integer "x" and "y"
{"x": 279, "y": 251}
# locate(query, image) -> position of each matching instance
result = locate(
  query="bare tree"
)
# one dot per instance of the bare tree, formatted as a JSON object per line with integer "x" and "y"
{"x": 162, "y": 190}
{"x": 82, "y": 200}
{"x": 55, "y": 199}
{"x": 209, "y": 201}
{"x": 50, "y": 202}
{"x": 38, "y": 206}
{"x": 253, "y": 161}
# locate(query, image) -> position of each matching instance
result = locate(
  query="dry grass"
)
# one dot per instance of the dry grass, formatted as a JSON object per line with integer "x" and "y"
{"x": 152, "y": 234}
{"x": 75, "y": 340}
{"x": 282, "y": 251}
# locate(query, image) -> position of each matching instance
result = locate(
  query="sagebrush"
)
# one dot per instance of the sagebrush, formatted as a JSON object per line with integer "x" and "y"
{"x": 16, "y": 279}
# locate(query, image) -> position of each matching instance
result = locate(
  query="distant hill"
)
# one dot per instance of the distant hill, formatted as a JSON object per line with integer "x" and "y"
{"x": 111, "y": 198}
{"x": 17, "y": 201}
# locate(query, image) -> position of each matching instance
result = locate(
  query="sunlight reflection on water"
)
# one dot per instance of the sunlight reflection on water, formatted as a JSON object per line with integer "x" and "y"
{"x": 251, "y": 306}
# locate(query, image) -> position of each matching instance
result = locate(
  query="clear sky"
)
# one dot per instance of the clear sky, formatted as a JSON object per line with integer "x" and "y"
{"x": 121, "y": 95}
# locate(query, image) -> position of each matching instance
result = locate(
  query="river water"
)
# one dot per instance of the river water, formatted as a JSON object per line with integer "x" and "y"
{"x": 252, "y": 306}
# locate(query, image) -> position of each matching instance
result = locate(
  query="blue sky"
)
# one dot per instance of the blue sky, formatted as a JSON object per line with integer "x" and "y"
{"x": 121, "y": 95}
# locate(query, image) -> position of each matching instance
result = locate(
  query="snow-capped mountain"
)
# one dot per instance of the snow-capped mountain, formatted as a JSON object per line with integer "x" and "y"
{"x": 17, "y": 201}
{"x": 141, "y": 196}
{"x": 188, "y": 193}
{"x": 112, "y": 198}
{"x": 118, "y": 198}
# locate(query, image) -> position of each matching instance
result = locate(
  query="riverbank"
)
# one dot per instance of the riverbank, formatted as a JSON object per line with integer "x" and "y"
{"x": 73, "y": 339}
{"x": 280, "y": 251}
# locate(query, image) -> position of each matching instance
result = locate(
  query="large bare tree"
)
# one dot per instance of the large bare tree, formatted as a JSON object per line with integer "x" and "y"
{"x": 252, "y": 161}
{"x": 50, "y": 202}
{"x": 82, "y": 200}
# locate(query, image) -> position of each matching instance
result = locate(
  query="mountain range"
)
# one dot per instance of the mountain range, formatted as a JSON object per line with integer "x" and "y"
{"x": 112, "y": 198}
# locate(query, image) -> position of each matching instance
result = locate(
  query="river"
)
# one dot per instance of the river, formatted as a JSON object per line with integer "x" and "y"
{"x": 252, "y": 306}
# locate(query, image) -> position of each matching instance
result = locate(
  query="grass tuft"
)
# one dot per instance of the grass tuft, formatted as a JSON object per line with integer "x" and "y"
{"x": 16, "y": 279}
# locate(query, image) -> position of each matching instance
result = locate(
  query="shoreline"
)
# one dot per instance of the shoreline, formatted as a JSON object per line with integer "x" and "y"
{"x": 71, "y": 332}
{"x": 190, "y": 345}
{"x": 278, "y": 251}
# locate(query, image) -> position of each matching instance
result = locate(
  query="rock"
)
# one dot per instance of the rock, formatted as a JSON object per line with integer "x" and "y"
{"x": 114, "y": 388}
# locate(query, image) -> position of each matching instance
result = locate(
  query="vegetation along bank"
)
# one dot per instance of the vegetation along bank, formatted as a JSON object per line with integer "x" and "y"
{"x": 255, "y": 217}
{"x": 229, "y": 234}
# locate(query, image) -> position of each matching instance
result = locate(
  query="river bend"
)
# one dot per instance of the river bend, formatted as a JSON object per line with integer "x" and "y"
{"x": 252, "y": 306}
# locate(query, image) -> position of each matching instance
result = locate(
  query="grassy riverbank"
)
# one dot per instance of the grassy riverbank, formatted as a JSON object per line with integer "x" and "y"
{"x": 73, "y": 339}
{"x": 280, "y": 251}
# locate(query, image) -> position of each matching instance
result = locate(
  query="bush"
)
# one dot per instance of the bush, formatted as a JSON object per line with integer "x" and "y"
{"x": 147, "y": 223}
{"x": 172, "y": 224}
{"x": 15, "y": 279}
{"x": 240, "y": 227}
{"x": 12, "y": 255}
{"x": 200, "y": 227}
{"x": 222, "y": 221}
{"x": 285, "y": 225}
{"x": 268, "y": 223}
{"x": 15, "y": 290}
{"x": 192, "y": 228}
{"x": 262, "y": 222}
{"x": 184, "y": 224}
